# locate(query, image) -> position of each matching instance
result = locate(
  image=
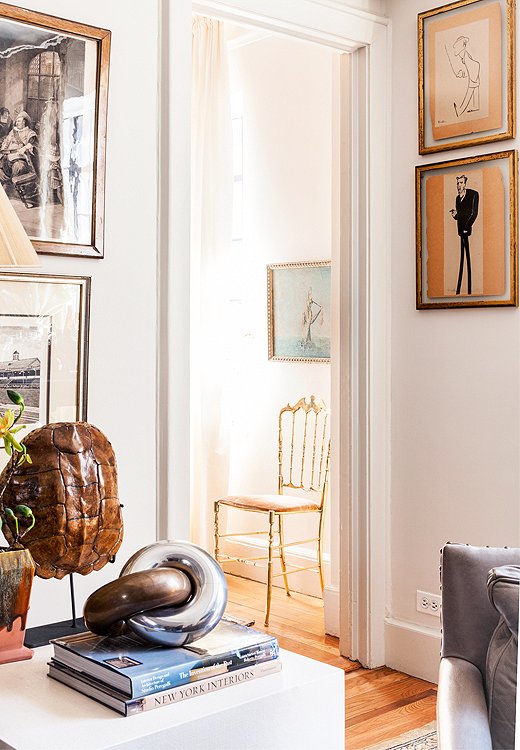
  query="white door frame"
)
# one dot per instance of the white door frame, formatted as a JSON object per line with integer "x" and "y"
{"x": 360, "y": 371}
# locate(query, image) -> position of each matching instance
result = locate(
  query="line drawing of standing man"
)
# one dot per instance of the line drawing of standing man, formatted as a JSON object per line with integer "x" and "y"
{"x": 471, "y": 71}
{"x": 465, "y": 213}
{"x": 310, "y": 317}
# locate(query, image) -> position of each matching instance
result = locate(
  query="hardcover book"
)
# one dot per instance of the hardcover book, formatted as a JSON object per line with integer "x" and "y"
{"x": 130, "y": 706}
{"x": 136, "y": 668}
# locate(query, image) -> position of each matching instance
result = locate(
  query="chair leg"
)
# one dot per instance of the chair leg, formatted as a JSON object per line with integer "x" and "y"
{"x": 216, "y": 507}
{"x": 282, "y": 553}
{"x": 320, "y": 551}
{"x": 269, "y": 567}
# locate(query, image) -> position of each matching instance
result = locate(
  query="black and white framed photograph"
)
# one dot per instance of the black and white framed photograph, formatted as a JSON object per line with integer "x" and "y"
{"x": 44, "y": 322}
{"x": 53, "y": 107}
{"x": 25, "y": 351}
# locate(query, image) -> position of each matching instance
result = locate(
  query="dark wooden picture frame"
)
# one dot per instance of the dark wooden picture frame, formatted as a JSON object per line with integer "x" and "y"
{"x": 53, "y": 120}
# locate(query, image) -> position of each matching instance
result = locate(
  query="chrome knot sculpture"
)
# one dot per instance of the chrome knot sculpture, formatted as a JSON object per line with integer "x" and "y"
{"x": 168, "y": 593}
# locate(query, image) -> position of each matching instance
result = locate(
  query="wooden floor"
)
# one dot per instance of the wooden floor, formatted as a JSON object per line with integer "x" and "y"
{"x": 379, "y": 704}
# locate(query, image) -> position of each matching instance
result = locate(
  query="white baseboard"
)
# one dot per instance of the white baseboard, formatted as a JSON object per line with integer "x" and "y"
{"x": 412, "y": 649}
{"x": 331, "y": 605}
{"x": 304, "y": 582}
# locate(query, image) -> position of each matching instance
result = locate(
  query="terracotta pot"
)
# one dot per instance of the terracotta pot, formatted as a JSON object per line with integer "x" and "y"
{"x": 16, "y": 577}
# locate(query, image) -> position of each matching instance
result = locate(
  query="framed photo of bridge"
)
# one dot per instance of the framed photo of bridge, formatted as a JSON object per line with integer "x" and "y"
{"x": 44, "y": 322}
{"x": 466, "y": 74}
{"x": 298, "y": 302}
{"x": 467, "y": 232}
{"x": 53, "y": 111}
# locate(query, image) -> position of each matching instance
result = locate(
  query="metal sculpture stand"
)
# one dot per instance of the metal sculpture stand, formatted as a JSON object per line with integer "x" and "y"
{"x": 43, "y": 634}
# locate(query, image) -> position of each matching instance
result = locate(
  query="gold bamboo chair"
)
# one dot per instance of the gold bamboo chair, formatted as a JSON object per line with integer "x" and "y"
{"x": 303, "y": 464}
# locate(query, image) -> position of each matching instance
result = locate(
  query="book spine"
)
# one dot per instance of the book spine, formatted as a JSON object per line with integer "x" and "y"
{"x": 202, "y": 687}
{"x": 250, "y": 656}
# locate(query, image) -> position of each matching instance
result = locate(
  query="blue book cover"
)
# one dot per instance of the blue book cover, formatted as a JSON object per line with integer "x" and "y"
{"x": 138, "y": 669}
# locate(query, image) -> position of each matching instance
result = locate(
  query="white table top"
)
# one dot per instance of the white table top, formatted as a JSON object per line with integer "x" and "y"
{"x": 39, "y": 713}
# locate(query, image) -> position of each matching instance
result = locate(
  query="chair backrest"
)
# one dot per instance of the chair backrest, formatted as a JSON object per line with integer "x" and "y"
{"x": 304, "y": 447}
{"x": 468, "y": 618}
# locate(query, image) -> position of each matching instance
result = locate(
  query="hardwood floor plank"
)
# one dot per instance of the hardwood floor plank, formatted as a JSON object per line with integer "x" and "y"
{"x": 397, "y": 691}
{"x": 390, "y": 724}
{"x": 385, "y": 706}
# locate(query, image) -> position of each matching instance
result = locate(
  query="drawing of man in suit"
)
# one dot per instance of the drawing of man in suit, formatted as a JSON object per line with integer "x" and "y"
{"x": 465, "y": 213}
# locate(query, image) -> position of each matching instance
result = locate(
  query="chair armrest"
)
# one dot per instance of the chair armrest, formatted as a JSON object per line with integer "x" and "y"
{"x": 462, "y": 717}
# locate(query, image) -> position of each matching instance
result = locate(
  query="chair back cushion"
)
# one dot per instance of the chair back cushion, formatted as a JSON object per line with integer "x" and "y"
{"x": 501, "y": 665}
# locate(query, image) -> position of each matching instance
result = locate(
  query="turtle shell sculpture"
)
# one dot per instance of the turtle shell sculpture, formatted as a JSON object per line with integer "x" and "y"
{"x": 71, "y": 487}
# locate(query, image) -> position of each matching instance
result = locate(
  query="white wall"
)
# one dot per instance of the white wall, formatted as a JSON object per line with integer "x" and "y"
{"x": 122, "y": 368}
{"x": 286, "y": 88}
{"x": 378, "y": 7}
{"x": 455, "y": 399}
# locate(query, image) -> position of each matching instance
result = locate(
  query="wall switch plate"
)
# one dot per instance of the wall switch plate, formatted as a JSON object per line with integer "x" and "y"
{"x": 428, "y": 603}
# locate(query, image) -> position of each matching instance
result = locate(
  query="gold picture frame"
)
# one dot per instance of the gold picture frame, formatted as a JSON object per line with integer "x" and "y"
{"x": 299, "y": 311}
{"x": 466, "y": 81}
{"x": 53, "y": 122}
{"x": 467, "y": 232}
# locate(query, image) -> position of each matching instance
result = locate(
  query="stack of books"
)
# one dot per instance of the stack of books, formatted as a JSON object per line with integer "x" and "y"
{"x": 131, "y": 676}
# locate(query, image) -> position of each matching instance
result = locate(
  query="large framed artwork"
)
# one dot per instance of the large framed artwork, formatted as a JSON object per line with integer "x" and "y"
{"x": 44, "y": 322}
{"x": 53, "y": 110}
{"x": 466, "y": 74}
{"x": 298, "y": 303}
{"x": 467, "y": 232}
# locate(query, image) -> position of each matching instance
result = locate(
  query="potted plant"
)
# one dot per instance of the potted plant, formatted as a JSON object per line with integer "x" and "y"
{"x": 16, "y": 563}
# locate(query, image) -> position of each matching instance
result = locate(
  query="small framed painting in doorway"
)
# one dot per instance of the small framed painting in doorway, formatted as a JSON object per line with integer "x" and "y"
{"x": 298, "y": 311}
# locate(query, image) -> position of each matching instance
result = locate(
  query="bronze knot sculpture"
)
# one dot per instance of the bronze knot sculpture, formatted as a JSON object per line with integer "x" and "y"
{"x": 169, "y": 593}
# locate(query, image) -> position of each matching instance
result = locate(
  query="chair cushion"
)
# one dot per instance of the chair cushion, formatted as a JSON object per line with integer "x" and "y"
{"x": 501, "y": 664}
{"x": 277, "y": 503}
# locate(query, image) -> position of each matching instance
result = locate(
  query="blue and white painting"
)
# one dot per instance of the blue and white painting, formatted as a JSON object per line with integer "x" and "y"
{"x": 300, "y": 309}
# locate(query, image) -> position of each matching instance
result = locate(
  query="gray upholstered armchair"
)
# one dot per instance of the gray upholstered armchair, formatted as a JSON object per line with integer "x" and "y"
{"x": 477, "y": 676}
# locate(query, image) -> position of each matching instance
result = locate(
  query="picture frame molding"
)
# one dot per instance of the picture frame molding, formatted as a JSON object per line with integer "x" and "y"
{"x": 270, "y": 309}
{"x": 512, "y": 156}
{"x": 510, "y": 87}
{"x": 82, "y": 349}
{"x": 103, "y": 38}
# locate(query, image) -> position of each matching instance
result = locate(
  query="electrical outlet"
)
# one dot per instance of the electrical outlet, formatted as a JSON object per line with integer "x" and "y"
{"x": 428, "y": 603}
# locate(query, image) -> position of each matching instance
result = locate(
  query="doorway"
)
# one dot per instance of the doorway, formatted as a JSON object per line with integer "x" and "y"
{"x": 361, "y": 384}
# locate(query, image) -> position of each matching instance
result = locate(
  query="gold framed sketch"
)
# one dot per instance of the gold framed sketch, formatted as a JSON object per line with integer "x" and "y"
{"x": 466, "y": 74}
{"x": 467, "y": 232}
{"x": 53, "y": 118}
{"x": 298, "y": 311}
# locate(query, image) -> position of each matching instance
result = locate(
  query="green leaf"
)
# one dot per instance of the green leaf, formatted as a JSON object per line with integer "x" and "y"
{"x": 16, "y": 397}
{"x": 17, "y": 446}
{"x": 11, "y": 516}
{"x": 17, "y": 429}
{"x": 26, "y": 513}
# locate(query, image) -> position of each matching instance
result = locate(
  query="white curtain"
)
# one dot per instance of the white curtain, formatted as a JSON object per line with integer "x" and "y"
{"x": 212, "y": 196}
